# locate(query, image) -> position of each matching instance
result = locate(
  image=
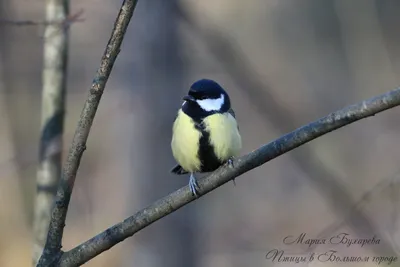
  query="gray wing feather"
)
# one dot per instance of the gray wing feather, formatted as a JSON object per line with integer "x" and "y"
{"x": 233, "y": 115}
{"x": 232, "y": 112}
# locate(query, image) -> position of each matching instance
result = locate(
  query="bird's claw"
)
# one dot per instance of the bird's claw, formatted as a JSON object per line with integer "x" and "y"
{"x": 230, "y": 162}
{"x": 193, "y": 185}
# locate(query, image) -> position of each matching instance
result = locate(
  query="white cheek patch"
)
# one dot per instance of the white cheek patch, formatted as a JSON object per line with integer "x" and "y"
{"x": 184, "y": 102}
{"x": 211, "y": 104}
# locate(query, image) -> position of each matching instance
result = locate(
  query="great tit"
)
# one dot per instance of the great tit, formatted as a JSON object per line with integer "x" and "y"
{"x": 205, "y": 133}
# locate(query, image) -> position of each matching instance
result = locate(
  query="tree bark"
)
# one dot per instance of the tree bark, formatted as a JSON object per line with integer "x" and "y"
{"x": 52, "y": 119}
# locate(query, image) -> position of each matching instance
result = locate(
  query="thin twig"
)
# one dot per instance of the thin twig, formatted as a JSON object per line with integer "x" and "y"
{"x": 52, "y": 250}
{"x": 383, "y": 184}
{"x": 76, "y": 17}
{"x": 164, "y": 206}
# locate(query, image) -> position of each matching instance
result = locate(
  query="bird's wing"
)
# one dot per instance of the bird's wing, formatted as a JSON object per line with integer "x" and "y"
{"x": 233, "y": 115}
{"x": 232, "y": 112}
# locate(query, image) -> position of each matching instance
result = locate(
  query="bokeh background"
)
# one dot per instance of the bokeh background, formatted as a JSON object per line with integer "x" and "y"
{"x": 284, "y": 62}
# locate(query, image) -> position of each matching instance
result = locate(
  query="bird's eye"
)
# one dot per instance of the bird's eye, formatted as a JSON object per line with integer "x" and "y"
{"x": 202, "y": 97}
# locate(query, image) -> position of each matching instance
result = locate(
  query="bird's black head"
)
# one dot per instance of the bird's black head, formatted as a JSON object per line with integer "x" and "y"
{"x": 204, "y": 98}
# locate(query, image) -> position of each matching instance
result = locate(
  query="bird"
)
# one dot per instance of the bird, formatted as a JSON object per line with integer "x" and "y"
{"x": 205, "y": 133}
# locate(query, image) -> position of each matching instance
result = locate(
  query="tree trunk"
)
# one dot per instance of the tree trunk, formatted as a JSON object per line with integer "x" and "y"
{"x": 52, "y": 119}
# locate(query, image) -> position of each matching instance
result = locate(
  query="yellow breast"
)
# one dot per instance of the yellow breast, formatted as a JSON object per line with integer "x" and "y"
{"x": 224, "y": 135}
{"x": 185, "y": 143}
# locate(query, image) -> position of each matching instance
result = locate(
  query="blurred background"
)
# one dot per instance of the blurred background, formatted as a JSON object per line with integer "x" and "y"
{"x": 285, "y": 63}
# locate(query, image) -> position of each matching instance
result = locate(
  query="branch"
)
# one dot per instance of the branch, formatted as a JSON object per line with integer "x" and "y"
{"x": 52, "y": 250}
{"x": 164, "y": 206}
{"x": 383, "y": 184}
{"x": 52, "y": 123}
{"x": 226, "y": 51}
{"x": 76, "y": 17}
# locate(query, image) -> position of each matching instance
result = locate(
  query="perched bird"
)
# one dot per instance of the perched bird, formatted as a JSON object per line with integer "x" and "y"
{"x": 205, "y": 133}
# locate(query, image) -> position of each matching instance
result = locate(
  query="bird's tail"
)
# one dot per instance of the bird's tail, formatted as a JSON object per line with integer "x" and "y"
{"x": 178, "y": 170}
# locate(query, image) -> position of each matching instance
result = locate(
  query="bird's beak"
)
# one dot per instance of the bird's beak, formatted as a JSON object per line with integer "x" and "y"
{"x": 189, "y": 98}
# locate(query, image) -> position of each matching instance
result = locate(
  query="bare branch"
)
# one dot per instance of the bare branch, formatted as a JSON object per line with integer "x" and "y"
{"x": 226, "y": 51}
{"x": 76, "y": 17}
{"x": 384, "y": 184}
{"x": 164, "y": 206}
{"x": 52, "y": 250}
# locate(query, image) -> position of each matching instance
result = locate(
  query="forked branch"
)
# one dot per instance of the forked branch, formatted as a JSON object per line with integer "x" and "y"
{"x": 52, "y": 250}
{"x": 52, "y": 254}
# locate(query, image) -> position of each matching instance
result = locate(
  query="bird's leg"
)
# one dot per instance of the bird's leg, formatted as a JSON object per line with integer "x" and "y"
{"x": 230, "y": 164}
{"x": 193, "y": 185}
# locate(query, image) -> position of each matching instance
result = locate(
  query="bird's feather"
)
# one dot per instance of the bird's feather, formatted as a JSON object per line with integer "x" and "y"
{"x": 185, "y": 142}
{"x": 224, "y": 136}
{"x": 178, "y": 170}
{"x": 233, "y": 115}
{"x": 232, "y": 112}
{"x": 208, "y": 158}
